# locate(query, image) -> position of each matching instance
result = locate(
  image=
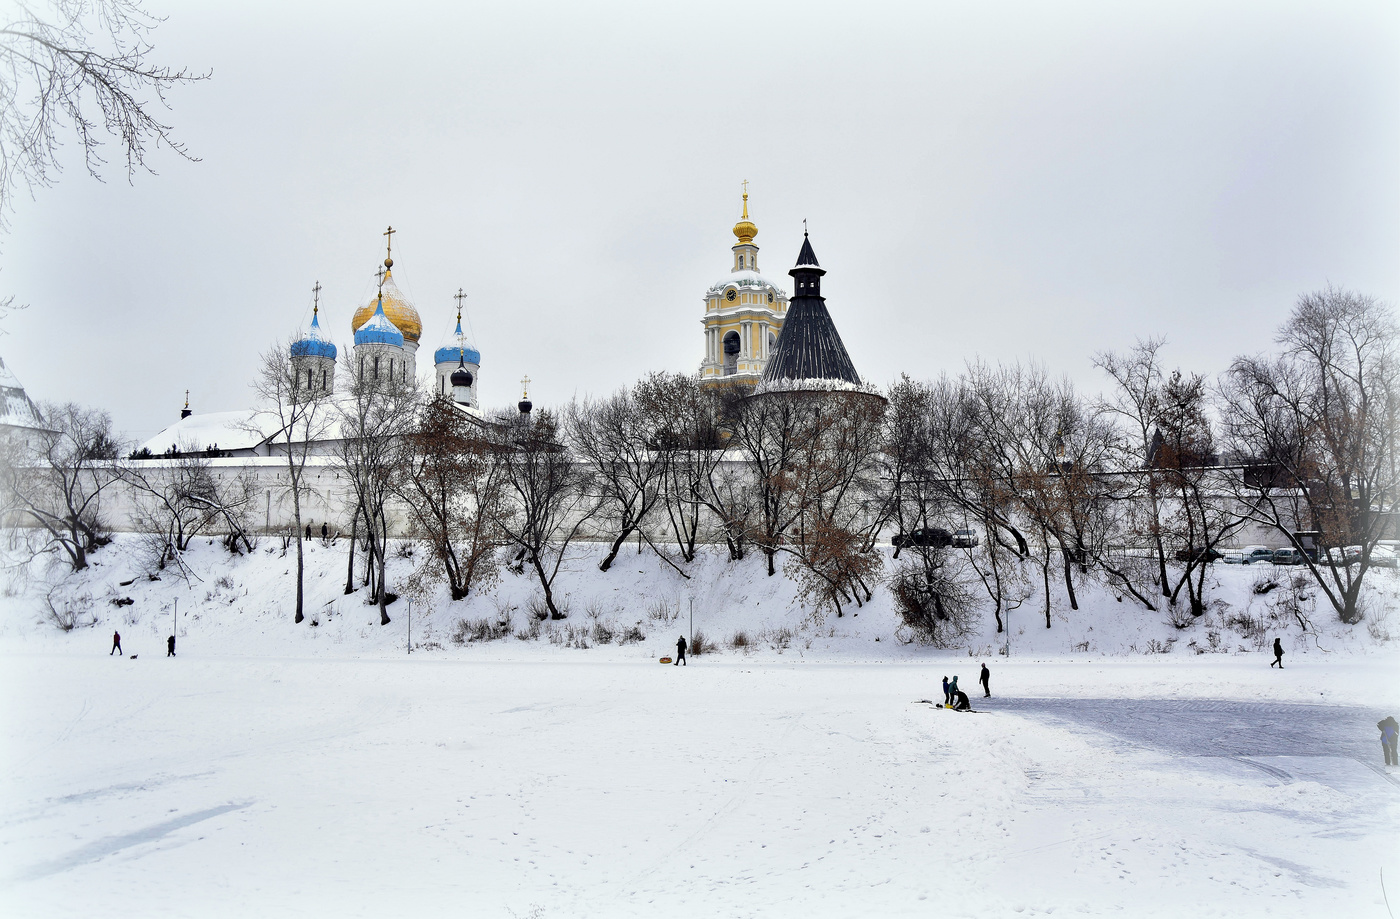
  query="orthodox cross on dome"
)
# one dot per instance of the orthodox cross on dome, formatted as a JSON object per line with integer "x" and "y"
{"x": 187, "y": 398}
{"x": 316, "y": 299}
{"x": 459, "y": 297}
{"x": 379, "y": 273}
{"x": 389, "y": 247}
{"x": 804, "y": 226}
{"x": 525, "y": 387}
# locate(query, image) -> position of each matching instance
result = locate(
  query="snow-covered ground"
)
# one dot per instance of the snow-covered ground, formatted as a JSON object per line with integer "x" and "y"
{"x": 291, "y": 770}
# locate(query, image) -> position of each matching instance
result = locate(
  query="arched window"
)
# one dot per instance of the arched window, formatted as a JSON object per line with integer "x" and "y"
{"x": 731, "y": 353}
{"x": 376, "y": 366}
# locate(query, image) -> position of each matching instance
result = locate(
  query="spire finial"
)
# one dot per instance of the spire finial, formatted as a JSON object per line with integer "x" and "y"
{"x": 525, "y": 387}
{"x": 389, "y": 247}
{"x": 316, "y": 301}
{"x": 459, "y": 297}
{"x": 804, "y": 226}
{"x": 746, "y": 199}
{"x": 187, "y": 398}
{"x": 379, "y": 275}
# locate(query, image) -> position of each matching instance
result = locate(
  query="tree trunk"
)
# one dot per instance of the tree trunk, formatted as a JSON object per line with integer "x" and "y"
{"x": 606, "y": 563}
{"x": 350, "y": 568}
{"x": 1069, "y": 579}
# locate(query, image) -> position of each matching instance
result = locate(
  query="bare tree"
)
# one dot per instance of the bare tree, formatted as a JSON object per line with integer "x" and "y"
{"x": 549, "y": 490}
{"x": 1136, "y": 402}
{"x": 683, "y": 418}
{"x": 455, "y": 488}
{"x": 84, "y": 65}
{"x": 1319, "y": 424}
{"x": 301, "y": 415}
{"x": 375, "y": 420}
{"x": 56, "y": 479}
{"x": 616, "y": 439}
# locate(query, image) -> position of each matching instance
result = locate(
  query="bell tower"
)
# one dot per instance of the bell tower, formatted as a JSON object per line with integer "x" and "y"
{"x": 743, "y": 314}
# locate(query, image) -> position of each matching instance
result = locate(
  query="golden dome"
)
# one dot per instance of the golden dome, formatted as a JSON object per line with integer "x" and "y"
{"x": 745, "y": 229}
{"x": 396, "y": 306}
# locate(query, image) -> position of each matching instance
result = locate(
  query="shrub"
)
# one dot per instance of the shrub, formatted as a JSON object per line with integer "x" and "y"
{"x": 1263, "y": 584}
{"x": 631, "y": 635}
{"x": 479, "y": 630}
{"x": 699, "y": 644}
{"x": 602, "y": 632}
{"x": 531, "y": 631}
{"x": 934, "y": 605}
{"x": 69, "y": 615}
{"x": 661, "y": 611}
{"x": 739, "y": 640}
{"x": 777, "y": 639}
{"x": 537, "y": 607}
{"x": 1158, "y": 647}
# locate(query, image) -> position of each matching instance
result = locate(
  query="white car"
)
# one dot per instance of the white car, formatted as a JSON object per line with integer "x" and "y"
{"x": 1253, "y": 555}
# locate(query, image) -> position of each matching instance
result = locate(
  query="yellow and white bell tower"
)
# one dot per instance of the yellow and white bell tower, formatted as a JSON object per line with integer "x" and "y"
{"x": 743, "y": 314}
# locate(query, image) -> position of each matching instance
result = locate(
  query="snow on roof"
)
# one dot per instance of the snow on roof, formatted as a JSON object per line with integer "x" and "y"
{"x": 746, "y": 278}
{"x": 240, "y": 430}
{"x": 17, "y": 410}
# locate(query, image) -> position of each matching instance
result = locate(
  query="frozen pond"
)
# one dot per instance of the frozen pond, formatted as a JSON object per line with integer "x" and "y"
{"x": 579, "y": 786}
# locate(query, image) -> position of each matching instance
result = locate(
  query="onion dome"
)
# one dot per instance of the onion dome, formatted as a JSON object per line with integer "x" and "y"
{"x": 396, "y": 306}
{"x": 525, "y": 404}
{"x": 461, "y": 376}
{"x": 745, "y": 228}
{"x": 314, "y": 343}
{"x": 459, "y": 348}
{"x": 379, "y": 329}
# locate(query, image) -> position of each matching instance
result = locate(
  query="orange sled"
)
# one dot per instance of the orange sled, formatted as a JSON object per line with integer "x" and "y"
{"x": 665, "y": 660}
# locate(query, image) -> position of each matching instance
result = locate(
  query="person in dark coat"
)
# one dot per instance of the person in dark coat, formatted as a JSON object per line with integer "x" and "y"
{"x": 986, "y": 680}
{"x": 308, "y": 531}
{"x": 116, "y": 644}
{"x": 325, "y": 531}
{"x": 170, "y": 646}
{"x": 1390, "y": 731}
{"x": 1278, "y": 653}
{"x": 947, "y": 693}
{"x": 680, "y": 651}
{"x": 960, "y": 701}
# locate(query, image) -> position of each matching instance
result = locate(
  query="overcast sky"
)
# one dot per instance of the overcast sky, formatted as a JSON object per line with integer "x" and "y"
{"x": 1000, "y": 180}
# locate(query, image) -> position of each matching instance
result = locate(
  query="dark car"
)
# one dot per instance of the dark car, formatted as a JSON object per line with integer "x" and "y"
{"x": 930, "y": 536}
{"x": 1199, "y": 556}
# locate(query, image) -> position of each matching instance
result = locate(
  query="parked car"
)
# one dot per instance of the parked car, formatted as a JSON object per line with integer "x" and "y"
{"x": 965, "y": 539}
{"x": 1342, "y": 556}
{"x": 1199, "y": 555}
{"x": 929, "y": 536}
{"x": 1233, "y": 558}
{"x": 1255, "y": 554}
{"x": 1288, "y": 556}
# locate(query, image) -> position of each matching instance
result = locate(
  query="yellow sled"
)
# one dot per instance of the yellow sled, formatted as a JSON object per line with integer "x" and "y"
{"x": 665, "y": 660}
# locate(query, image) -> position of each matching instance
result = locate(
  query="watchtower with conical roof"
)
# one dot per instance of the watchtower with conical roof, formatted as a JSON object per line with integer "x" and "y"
{"x": 810, "y": 352}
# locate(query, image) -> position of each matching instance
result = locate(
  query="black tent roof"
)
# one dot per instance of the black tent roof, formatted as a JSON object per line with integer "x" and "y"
{"x": 809, "y": 347}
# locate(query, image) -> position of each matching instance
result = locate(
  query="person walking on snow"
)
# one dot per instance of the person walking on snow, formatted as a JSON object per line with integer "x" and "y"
{"x": 680, "y": 651}
{"x": 116, "y": 644}
{"x": 1278, "y": 653}
{"x": 1390, "y": 731}
{"x": 947, "y": 693}
{"x": 986, "y": 680}
{"x": 170, "y": 646}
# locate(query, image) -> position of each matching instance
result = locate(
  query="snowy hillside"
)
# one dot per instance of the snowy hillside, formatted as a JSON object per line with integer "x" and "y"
{"x": 244, "y": 606}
